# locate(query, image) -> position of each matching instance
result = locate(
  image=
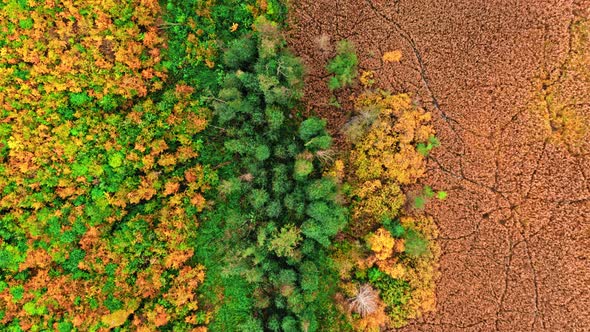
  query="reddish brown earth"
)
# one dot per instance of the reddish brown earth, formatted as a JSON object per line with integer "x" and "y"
{"x": 515, "y": 230}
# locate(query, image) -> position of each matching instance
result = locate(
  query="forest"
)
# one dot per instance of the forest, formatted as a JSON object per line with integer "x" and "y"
{"x": 161, "y": 170}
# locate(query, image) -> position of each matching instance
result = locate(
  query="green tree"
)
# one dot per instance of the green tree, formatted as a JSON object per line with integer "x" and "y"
{"x": 278, "y": 210}
{"x": 283, "y": 243}
{"x": 343, "y": 66}
{"x": 240, "y": 53}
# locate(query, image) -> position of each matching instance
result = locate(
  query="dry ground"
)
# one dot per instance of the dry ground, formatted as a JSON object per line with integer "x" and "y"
{"x": 515, "y": 229}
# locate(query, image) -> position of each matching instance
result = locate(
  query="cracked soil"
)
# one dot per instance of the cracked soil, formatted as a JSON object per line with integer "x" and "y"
{"x": 506, "y": 81}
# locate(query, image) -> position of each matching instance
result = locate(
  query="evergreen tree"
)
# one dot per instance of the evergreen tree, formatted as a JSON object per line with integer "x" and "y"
{"x": 240, "y": 53}
{"x": 285, "y": 209}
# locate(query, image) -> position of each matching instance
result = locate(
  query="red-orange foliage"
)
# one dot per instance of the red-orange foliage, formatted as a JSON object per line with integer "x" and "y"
{"x": 93, "y": 190}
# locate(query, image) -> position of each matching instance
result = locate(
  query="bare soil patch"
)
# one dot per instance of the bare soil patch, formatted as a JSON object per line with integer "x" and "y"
{"x": 500, "y": 78}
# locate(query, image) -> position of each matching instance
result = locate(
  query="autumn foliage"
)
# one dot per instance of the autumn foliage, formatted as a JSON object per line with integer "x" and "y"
{"x": 393, "y": 251}
{"x": 386, "y": 157}
{"x": 99, "y": 178}
{"x": 154, "y": 176}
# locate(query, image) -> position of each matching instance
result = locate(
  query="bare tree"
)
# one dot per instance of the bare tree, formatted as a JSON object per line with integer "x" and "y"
{"x": 365, "y": 302}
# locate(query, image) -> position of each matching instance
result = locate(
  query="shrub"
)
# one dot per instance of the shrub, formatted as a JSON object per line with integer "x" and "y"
{"x": 425, "y": 148}
{"x": 343, "y": 66}
{"x": 427, "y": 194}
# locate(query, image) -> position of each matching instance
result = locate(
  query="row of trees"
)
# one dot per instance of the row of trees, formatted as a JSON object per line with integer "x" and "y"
{"x": 276, "y": 214}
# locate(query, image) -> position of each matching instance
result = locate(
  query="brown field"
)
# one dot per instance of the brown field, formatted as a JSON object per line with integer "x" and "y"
{"x": 508, "y": 83}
